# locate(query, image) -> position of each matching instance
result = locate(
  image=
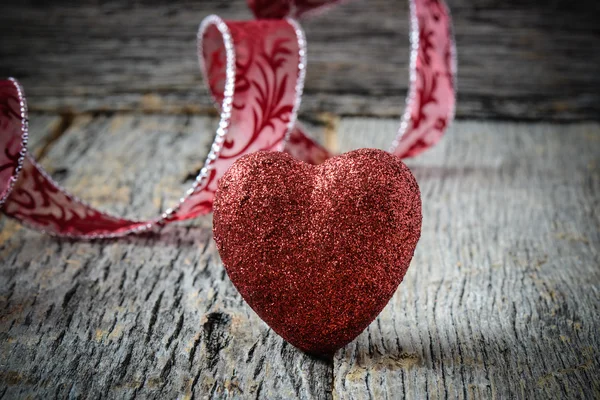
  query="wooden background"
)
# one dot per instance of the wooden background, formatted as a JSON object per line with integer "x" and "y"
{"x": 501, "y": 300}
{"x": 519, "y": 59}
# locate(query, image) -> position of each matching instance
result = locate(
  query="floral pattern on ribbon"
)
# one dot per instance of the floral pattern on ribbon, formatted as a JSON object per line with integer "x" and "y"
{"x": 255, "y": 72}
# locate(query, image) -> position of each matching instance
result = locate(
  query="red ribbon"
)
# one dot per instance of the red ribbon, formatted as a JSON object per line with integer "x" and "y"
{"x": 255, "y": 73}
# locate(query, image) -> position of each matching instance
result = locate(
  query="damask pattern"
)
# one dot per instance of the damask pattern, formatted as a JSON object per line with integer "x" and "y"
{"x": 431, "y": 99}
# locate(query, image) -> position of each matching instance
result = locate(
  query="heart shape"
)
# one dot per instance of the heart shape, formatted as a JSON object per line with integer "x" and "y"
{"x": 317, "y": 251}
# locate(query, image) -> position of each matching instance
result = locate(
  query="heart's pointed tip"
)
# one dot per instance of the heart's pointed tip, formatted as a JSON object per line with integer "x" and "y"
{"x": 321, "y": 351}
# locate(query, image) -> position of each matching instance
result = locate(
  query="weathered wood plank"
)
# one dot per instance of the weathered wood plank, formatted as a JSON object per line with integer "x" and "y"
{"x": 502, "y": 298}
{"x": 149, "y": 317}
{"x": 518, "y": 59}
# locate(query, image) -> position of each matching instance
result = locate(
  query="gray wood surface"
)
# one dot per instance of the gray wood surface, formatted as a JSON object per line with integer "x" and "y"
{"x": 519, "y": 59}
{"x": 501, "y": 300}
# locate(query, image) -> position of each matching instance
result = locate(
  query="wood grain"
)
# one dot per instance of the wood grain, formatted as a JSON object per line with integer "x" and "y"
{"x": 518, "y": 59}
{"x": 501, "y": 300}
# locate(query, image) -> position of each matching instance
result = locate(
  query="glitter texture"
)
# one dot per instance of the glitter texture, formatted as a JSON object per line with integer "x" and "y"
{"x": 317, "y": 251}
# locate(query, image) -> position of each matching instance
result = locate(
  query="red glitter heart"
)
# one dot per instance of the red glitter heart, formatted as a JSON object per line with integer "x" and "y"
{"x": 317, "y": 251}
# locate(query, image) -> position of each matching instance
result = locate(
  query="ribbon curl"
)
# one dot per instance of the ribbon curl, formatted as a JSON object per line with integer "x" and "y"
{"x": 255, "y": 72}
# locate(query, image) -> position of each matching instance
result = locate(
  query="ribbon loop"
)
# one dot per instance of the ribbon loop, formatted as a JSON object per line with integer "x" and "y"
{"x": 255, "y": 73}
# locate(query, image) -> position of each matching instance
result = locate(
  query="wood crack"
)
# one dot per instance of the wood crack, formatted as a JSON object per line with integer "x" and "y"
{"x": 216, "y": 336}
{"x": 176, "y": 332}
{"x": 153, "y": 317}
{"x": 69, "y": 295}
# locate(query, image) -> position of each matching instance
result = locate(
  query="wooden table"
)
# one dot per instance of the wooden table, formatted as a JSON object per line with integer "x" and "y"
{"x": 503, "y": 296}
{"x": 501, "y": 300}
